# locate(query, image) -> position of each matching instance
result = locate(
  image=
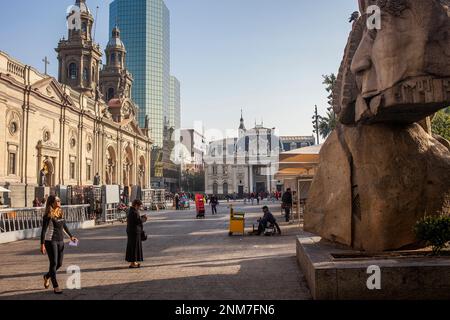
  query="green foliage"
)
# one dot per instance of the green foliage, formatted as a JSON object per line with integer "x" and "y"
{"x": 441, "y": 123}
{"x": 435, "y": 231}
{"x": 328, "y": 123}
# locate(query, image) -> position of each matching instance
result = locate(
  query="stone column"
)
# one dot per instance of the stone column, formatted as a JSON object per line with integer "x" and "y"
{"x": 119, "y": 158}
{"x": 235, "y": 183}
{"x": 102, "y": 154}
{"x": 80, "y": 150}
{"x": 62, "y": 137}
{"x": 250, "y": 178}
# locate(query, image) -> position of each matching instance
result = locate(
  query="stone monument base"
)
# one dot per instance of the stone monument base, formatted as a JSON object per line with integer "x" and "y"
{"x": 335, "y": 272}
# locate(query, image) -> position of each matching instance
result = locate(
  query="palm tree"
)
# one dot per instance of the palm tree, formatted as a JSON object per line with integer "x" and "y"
{"x": 328, "y": 123}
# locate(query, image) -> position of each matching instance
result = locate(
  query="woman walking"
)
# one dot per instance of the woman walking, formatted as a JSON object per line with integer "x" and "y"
{"x": 52, "y": 240}
{"x": 135, "y": 235}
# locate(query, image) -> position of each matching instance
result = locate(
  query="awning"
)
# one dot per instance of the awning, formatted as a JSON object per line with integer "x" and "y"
{"x": 298, "y": 163}
{"x": 284, "y": 173}
{"x": 3, "y": 190}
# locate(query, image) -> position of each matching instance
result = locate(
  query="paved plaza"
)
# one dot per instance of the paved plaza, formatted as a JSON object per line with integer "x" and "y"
{"x": 185, "y": 259}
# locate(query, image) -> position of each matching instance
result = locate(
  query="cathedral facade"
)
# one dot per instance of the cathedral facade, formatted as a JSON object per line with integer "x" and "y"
{"x": 66, "y": 131}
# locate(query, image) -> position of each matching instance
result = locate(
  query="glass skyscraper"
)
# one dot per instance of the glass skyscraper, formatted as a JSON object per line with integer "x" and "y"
{"x": 145, "y": 31}
{"x": 174, "y": 103}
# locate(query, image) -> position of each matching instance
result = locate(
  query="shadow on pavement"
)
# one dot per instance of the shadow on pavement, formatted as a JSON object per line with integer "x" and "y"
{"x": 261, "y": 277}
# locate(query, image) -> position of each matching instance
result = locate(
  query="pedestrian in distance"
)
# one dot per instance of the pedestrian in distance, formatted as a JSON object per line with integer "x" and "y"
{"x": 37, "y": 203}
{"x": 287, "y": 204}
{"x": 177, "y": 202}
{"x": 135, "y": 235}
{"x": 214, "y": 202}
{"x": 52, "y": 240}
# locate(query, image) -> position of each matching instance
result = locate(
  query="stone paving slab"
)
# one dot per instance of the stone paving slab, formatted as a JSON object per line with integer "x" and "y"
{"x": 185, "y": 259}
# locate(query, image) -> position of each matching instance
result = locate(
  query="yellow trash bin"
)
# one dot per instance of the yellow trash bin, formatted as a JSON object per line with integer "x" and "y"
{"x": 237, "y": 222}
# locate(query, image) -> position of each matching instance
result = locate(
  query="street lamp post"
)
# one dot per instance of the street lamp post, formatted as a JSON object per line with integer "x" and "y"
{"x": 187, "y": 180}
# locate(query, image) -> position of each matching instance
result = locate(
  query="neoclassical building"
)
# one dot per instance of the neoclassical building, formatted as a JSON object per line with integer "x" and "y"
{"x": 248, "y": 163}
{"x": 245, "y": 164}
{"x": 69, "y": 130}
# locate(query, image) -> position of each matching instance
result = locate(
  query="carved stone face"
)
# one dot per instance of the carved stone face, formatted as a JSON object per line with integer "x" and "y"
{"x": 403, "y": 46}
{"x": 399, "y": 69}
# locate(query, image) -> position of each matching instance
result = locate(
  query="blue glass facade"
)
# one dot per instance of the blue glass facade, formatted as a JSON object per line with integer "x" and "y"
{"x": 145, "y": 31}
{"x": 174, "y": 104}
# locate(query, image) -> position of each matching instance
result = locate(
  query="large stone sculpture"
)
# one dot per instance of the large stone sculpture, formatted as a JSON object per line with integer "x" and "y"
{"x": 380, "y": 171}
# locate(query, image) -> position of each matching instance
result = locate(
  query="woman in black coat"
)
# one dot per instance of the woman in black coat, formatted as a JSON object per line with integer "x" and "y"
{"x": 135, "y": 231}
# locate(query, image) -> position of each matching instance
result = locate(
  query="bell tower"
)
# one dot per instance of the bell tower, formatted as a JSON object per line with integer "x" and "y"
{"x": 79, "y": 57}
{"x": 242, "y": 129}
{"x": 115, "y": 80}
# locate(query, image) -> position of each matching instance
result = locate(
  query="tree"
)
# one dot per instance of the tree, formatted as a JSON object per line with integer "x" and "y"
{"x": 328, "y": 123}
{"x": 441, "y": 123}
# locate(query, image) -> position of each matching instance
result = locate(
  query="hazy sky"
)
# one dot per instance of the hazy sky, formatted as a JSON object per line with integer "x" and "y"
{"x": 264, "y": 56}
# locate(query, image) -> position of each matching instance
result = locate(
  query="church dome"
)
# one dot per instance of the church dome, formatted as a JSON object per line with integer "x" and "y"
{"x": 115, "y": 39}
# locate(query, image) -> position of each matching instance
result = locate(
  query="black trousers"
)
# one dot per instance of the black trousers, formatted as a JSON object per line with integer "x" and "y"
{"x": 263, "y": 225}
{"x": 55, "y": 253}
{"x": 214, "y": 208}
{"x": 287, "y": 212}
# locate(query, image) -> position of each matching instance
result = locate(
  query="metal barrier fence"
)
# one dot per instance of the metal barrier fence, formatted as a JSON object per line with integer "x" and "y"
{"x": 31, "y": 218}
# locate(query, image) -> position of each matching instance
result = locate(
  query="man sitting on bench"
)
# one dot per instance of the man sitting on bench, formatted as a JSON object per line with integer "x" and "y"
{"x": 265, "y": 220}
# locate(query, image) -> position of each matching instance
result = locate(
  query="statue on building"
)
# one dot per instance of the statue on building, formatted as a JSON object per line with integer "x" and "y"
{"x": 97, "y": 179}
{"x": 141, "y": 175}
{"x": 382, "y": 170}
{"x": 147, "y": 121}
{"x": 42, "y": 177}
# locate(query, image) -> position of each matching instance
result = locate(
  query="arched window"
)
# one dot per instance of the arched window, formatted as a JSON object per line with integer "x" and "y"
{"x": 215, "y": 188}
{"x": 225, "y": 188}
{"x": 73, "y": 73}
{"x": 84, "y": 27}
{"x": 110, "y": 94}
{"x": 85, "y": 74}
{"x": 120, "y": 58}
{"x": 113, "y": 58}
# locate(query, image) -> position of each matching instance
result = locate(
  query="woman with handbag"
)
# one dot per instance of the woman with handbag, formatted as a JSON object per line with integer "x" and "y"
{"x": 135, "y": 235}
{"x": 52, "y": 240}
